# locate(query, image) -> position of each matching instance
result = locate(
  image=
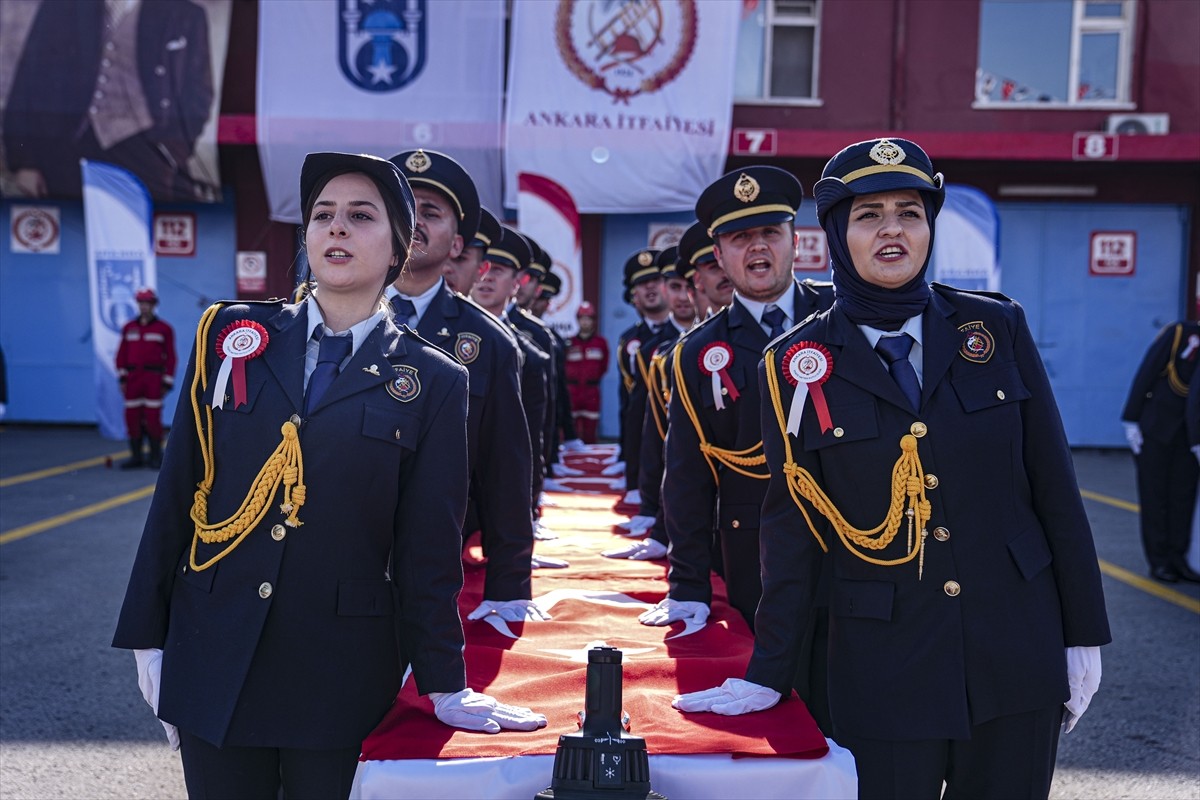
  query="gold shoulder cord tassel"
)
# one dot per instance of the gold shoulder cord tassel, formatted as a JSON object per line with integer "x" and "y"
{"x": 651, "y": 377}
{"x": 1173, "y": 380}
{"x": 739, "y": 461}
{"x": 285, "y": 465}
{"x": 908, "y": 486}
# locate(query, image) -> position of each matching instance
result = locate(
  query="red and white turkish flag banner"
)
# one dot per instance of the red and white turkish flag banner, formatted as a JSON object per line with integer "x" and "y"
{"x": 546, "y": 211}
{"x": 595, "y": 600}
{"x": 627, "y": 105}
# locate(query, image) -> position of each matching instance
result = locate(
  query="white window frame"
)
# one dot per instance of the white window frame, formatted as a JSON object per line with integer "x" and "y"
{"x": 1081, "y": 25}
{"x": 770, "y": 22}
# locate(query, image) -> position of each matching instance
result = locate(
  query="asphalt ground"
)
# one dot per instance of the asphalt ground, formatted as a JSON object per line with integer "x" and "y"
{"x": 73, "y": 723}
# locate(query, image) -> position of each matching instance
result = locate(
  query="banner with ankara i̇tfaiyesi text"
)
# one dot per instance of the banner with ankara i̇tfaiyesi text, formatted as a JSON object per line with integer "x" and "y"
{"x": 116, "y": 213}
{"x": 626, "y": 103}
{"x": 378, "y": 77}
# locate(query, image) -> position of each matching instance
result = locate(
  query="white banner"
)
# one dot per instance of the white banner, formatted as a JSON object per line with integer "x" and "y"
{"x": 116, "y": 212}
{"x": 378, "y": 77}
{"x": 546, "y": 211}
{"x": 626, "y": 103}
{"x": 966, "y": 250}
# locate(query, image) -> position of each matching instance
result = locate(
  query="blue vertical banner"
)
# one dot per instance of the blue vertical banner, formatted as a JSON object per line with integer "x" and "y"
{"x": 117, "y": 216}
{"x": 966, "y": 250}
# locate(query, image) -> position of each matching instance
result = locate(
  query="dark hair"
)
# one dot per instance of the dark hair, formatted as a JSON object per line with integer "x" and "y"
{"x": 401, "y": 233}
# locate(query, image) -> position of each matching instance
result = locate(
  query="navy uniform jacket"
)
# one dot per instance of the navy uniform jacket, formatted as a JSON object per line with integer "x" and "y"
{"x": 563, "y": 420}
{"x": 925, "y": 658}
{"x": 299, "y": 637}
{"x": 539, "y": 332}
{"x": 693, "y": 497}
{"x": 497, "y": 436}
{"x": 635, "y": 405}
{"x": 656, "y": 356}
{"x": 1156, "y": 399}
{"x": 626, "y": 369}
{"x": 535, "y": 399}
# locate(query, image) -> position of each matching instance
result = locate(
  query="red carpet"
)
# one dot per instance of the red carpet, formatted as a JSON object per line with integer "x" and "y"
{"x": 597, "y": 599}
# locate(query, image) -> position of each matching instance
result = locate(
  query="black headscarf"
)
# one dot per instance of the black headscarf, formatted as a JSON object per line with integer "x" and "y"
{"x": 865, "y": 303}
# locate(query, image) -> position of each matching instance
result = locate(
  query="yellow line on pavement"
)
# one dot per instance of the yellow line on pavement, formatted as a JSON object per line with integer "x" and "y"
{"x": 52, "y": 471}
{"x": 1124, "y": 505}
{"x": 1150, "y": 587}
{"x": 79, "y": 513}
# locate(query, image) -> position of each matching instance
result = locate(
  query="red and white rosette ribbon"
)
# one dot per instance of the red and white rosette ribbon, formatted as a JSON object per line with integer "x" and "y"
{"x": 713, "y": 360}
{"x": 240, "y": 341}
{"x": 807, "y": 365}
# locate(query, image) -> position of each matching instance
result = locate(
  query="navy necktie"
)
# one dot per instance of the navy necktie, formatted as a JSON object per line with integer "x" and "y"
{"x": 331, "y": 352}
{"x": 403, "y": 309}
{"x": 894, "y": 350}
{"x": 774, "y": 316}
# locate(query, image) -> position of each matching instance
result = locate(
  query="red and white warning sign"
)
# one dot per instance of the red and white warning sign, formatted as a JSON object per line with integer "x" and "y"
{"x": 1113, "y": 253}
{"x": 812, "y": 251}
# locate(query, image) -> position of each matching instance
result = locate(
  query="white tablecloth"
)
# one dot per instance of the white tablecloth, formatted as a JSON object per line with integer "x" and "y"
{"x": 678, "y": 777}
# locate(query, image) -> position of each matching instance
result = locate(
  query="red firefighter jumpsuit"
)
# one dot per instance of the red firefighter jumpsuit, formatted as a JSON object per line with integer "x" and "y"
{"x": 146, "y": 368}
{"x": 587, "y": 361}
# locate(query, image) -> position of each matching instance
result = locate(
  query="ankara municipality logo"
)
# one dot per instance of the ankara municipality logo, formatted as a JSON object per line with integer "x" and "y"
{"x": 381, "y": 43}
{"x": 626, "y": 47}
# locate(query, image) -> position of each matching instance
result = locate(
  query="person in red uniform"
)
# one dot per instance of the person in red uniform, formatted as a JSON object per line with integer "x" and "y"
{"x": 587, "y": 361}
{"x": 146, "y": 369}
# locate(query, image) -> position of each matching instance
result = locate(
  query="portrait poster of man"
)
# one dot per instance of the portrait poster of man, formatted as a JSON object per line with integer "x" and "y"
{"x": 135, "y": 83}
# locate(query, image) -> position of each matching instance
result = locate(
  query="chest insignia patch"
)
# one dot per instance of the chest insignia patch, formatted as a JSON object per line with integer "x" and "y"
{"x": 977, "y": 343}
{"x": 466, "y": 347}
{"x": 405, "y": 386}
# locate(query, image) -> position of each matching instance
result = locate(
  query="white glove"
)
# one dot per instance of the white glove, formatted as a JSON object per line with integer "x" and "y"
{"x": 510, "y": 611}
{"x": 573, "y": 445}
{"x": 542, "y": 533}
{"x": 668, "y": 611}
{"x": 734, "y": 696}
{"x": 1133, "y": 434}
{"x": 1083, "y": 676}
{"x": 563, "y": 471}
{"x": 632, "y": 498}
{"x": 472, "y": 711}
{"x": 645, "y": 550}
{"x": 545, "y": 562}
{"x": 149, "y": 667}
{"x": 637, "y": 526}
{"x": 554, "y": 485}
{"x": 615, "y": 468}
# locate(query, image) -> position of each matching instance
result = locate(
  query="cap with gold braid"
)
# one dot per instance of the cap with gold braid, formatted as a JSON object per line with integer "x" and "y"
{"x": 748, "y": 198}
{"x": 641, "y": 266}
{"x": 489, "y": 230}
{"x": 429, "y": 169}
{"x": 666, "y": 262}
{"x": 511, "y": 251}
{"x": 877, "y": 165}
{"x": 695, "y": 248}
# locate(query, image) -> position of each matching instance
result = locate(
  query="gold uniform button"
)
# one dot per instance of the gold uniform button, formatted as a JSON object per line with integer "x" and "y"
{"x": 294, "y": 419}
{"x": 931, "y": 481}
{"x": 1000, "y": 394}
{"x": 951, "y": 588}
{"x": 264, "y": 590}
{"x": 918, "y": 429}
{"x": 839, "y": 432}
{"x": 735, "y": 524}
{"x": 941, "y": 534}
{"x": 278, "y": 532}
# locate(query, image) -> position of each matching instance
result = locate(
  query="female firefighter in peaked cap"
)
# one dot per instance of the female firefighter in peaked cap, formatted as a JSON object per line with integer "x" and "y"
{"x": 303, "y": 546}
{"x": 914, "y": 443}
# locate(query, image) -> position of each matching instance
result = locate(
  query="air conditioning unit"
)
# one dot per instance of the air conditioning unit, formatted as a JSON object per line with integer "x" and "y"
{"x": 1133, "y": 124}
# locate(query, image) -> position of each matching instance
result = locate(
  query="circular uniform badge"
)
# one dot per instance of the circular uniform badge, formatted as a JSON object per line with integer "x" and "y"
{"x": 632, "y": 346}
{"x": 807, "y": 362}
{"x": 716, "y": 357}
{"x": 242, "y": 339}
